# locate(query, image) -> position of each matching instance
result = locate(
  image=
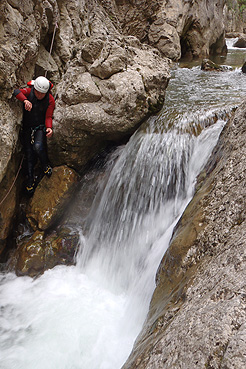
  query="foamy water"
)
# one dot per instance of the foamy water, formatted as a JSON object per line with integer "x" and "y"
{"x": 87, "y": 316}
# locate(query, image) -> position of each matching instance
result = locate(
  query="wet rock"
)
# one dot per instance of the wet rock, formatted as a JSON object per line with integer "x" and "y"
{"x": 244, "y": 68}
{"x": 233, "y": 34}
{"x": 198, "y": 309}
{"x": 51, "y": 197}
{"x": 30, "y": 256}
{"x": 61, "y": 247}
{"x": 39, "y": 253}
{"x": 241, "y": 42}
{"x": 209, "y": 65}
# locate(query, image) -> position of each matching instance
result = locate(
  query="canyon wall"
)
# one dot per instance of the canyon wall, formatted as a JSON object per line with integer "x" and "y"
{"x": 109, "y": 63}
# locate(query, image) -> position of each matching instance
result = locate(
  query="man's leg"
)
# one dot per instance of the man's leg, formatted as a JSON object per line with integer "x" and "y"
{"x": 30, "y": 158}
{"x": 40, "y": 147}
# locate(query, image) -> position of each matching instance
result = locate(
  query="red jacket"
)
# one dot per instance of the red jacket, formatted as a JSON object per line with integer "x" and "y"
{"x": 23, "y": 93}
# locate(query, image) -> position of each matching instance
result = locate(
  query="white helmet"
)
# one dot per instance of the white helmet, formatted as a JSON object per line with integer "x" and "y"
{"x": 42, "y": 84}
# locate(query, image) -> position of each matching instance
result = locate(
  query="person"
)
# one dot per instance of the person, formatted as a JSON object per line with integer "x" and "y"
{"x": 38, "y": 108}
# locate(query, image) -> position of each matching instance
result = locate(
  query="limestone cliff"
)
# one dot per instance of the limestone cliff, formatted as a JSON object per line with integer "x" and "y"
{"x": 177, "y": 28}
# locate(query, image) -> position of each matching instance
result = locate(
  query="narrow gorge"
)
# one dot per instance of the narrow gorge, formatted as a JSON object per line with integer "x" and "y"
{"x": 131, "y": 255}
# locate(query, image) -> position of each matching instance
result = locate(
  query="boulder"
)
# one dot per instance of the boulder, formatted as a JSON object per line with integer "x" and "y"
{"x": 209, "y": 65}
{"x": 241, "y": 42}
{"x": 51, "y": 197}
{"x": 244, "y": 68}
{"x": 38, "y": 253}
{"x": 107, "y": 100}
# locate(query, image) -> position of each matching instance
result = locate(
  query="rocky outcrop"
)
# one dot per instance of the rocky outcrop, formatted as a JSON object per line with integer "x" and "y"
{"x": 178, "y": 28}
{"x": 46, "y": 247}
{"x": 92, "y": 66}
{"x": 96, "y": 56}
{"x": 39, "y": 253}
{"x": 240, "y": 42}
{"x": 8, "y": 199}
{"x": 107, "y": 99}
{"x": 197, "y": 313}
{"x": 209, "y": 65}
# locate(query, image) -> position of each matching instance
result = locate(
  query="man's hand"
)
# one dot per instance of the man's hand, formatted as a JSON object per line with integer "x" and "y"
{"x": 28, "y": 105}
{"x": 49, "y": 132}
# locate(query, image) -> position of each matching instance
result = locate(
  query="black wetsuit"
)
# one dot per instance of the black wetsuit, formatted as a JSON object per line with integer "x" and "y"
{"x": 34, "y": 128}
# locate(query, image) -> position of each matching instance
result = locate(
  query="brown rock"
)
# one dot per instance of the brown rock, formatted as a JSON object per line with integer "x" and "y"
{"x": 30, "y": 256}
{"x": 51, "y": 197}
{"x": 209, "y": 65}
{"x": 241, "y": 42}
{"x": 37, "y": 254}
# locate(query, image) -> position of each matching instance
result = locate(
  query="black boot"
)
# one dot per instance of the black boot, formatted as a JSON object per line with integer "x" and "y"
{"x": 48, "y": 170}
{"x": 30, "y": 186}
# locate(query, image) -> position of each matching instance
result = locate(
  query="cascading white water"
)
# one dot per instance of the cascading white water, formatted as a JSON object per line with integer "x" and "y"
{"x": 87, "y": 316}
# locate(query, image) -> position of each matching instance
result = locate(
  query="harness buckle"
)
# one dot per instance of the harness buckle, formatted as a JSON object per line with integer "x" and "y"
{"x": 32, "y": 136}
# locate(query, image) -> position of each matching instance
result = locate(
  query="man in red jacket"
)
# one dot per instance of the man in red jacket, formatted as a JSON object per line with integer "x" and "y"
{"x": 38, "y": 110}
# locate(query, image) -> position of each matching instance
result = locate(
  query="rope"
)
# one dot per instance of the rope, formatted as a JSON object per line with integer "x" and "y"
{"x": 51, "y": 47}
{"x": 52, "y": 41}
{"x": 13, "y": 181}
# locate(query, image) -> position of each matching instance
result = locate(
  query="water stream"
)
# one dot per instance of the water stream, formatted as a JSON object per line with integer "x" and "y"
{"x": 87, "y": 316}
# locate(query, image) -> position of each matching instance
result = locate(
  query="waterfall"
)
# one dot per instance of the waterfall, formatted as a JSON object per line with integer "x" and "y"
{"x": 87, "y": 316}
{"x": 147, "y": 188}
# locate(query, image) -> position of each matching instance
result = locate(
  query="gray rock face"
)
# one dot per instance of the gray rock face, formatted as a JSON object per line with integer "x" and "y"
{"x": 106, "y": 100}
{"x": 198, "y": 310}
{"x": 191, "y": 28}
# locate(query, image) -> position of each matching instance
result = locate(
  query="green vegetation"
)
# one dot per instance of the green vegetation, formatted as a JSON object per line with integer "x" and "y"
{"x": 239, "y": 5}
{"x": 242, "y": 5}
